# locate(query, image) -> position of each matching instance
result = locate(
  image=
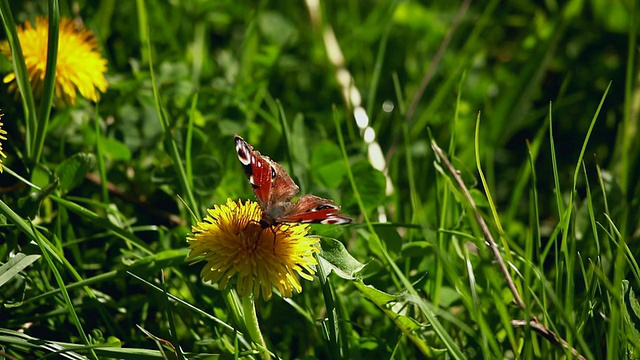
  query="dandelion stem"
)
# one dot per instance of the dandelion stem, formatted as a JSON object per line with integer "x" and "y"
{"x": 251, "y": 322}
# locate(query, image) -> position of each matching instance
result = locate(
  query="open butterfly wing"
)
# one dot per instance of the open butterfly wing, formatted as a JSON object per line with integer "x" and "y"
{"x": 269, "y": 180}
{"x": 314, "y": 209}
{"x": 258, "y": 170}
{"x": 274, "y": 190}
{"x": 283, "y": 188}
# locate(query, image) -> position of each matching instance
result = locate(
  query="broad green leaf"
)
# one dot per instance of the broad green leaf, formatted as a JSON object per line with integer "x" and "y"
{"x": 371, "y": 186}
{"x": 389, "y": 235}
{"x": 115, "y": 149}
{"x": 299, "y": 140}
{"x": 378, "y": 297}
{"x": 479, "y": 198}
{"x": 335, "y": 257}
{"x": 327, "y": 165}
{"x": 448, "y": 296}
{"x": 73, "y": 170}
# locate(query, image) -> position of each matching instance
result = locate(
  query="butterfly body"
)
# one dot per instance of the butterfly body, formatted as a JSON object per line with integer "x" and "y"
{"x": 274, "y": 189}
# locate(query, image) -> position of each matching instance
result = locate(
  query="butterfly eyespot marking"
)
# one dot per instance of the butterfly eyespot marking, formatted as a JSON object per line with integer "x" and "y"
{"x": 243, "y": 154}
{"x": 334, "y": 220}
{"x": 273, "y": 172}
{"x": 324, "y": 207}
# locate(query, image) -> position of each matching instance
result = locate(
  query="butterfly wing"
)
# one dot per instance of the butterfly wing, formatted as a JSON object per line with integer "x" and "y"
{"x": 258, "y": 170}
{"x": 314, "y": 209}
{"x": 270, "y": 182}
{"x": 274, "y": 190}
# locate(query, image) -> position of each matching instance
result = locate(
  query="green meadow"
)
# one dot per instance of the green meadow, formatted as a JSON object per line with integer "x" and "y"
{"x": 487, "y": 153}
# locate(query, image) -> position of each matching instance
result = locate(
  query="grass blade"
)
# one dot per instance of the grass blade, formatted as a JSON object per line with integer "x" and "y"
{"x": 171, "y": 147}
{"x": 49, "y": 80}
{"x": 65, "y": 293}
{"x": 22, "y": 76}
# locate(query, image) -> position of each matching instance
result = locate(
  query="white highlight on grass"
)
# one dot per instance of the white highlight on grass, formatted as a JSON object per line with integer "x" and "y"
{"x": 388, "y": 106}
{"x": 376, "y": 158}
{"x": 355, "y": 97}
{"x": 382, "y": 217}
{"x": 369, "y": 135}
{"x": 344, "y": 78}
{"x": 333, "y": 48}
{"x": 362, "y": 119}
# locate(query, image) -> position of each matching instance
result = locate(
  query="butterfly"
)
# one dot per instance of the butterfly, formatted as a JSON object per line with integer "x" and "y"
{"x": 274, "y": 190}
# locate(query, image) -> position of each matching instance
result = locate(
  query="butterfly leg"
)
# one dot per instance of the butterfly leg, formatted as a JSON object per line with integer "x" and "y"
{"x": 274, "y": 238}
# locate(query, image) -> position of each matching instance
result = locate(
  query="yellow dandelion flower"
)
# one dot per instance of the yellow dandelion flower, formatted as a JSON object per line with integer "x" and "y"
{"x": 2, "y": 137}
{"x": 236, "y": 248}
{"x": 80, "y": 67}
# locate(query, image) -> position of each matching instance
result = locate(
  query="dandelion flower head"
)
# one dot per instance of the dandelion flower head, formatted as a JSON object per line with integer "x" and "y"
{"x": 79, "y": 66}
{"x": 236, "y": 248}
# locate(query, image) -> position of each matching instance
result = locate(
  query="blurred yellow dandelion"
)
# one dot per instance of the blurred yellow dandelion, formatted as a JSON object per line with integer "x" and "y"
{"x": 2, "y": 137}
{"x": 236, "y": 248}
{"x": 80, "y": 67}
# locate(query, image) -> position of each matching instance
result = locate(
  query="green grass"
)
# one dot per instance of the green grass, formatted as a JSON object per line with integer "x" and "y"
{"x": 504, "y": 224}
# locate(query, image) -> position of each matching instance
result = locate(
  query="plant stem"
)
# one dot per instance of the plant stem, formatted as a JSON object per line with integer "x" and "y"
{"x": 251, "y": 322}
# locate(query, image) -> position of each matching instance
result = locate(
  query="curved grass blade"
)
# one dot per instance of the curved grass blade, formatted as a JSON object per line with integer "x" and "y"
{"x": 49, "y": 80}
{"x": 65, "y": 294}
{"x": 22, "y": 76}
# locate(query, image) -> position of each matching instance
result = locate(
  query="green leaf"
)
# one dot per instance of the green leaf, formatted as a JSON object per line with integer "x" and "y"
{"x": 116, "y": 150}
{"x": 16, "y": 264}
{"x": 73, "y": 170}
{"x": 389, "y": 235}
{"x": 276, "y": 28}
{"x": 371, "y": 186}
{"x": 327, "y": 165}
{"x": 299, "y": 140}
{"x": 479, "y": 198}
{"x": 378, "y": 297}
{"x": 390, "y": 305}
{"x": 631, "y": 310}
{"x": 30, "y": 204}
{"x": 335, "y": 257}
{"x": 448, "y": 296}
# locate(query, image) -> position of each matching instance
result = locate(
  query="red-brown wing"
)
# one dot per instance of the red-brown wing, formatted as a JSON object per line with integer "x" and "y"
{"x": 258, "y": 170}
{"x": 269, "y": 180}
{"x": 314, "y": 209}
{"x": 283, "y": 188}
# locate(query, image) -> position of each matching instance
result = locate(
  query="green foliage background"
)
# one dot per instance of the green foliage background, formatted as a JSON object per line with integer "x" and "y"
{"x": 561, "y": 195}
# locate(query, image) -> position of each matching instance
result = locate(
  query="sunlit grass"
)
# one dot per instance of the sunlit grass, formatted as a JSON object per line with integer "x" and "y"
{"x": 487, "y": 161}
